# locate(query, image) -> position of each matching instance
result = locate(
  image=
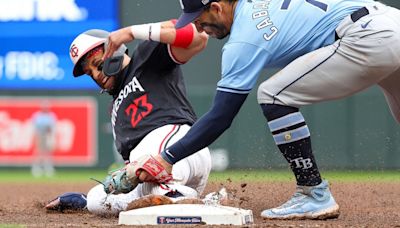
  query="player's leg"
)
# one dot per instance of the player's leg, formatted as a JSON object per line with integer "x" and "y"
{"x": 48, "y": 165}
{"x": 101, "y": 203}
{"x": 352, "y": 64}
{"x": 391, "y": 90}
{"x": 191, "y": 173}
{"x": 47, "y": 162}
{"x": 313, "y": 198}
{"x": 37, "y": 168}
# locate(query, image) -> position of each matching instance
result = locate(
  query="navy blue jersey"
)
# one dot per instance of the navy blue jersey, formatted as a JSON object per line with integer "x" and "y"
{"x": 152, "y": 94}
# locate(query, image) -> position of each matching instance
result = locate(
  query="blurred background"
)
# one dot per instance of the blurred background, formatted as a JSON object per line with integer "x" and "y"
{"x": 355, "y": 133}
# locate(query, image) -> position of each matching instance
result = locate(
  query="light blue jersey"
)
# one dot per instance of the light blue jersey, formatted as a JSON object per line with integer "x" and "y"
{"x": 44, "y": 122}
{"x": 272, "y": 33}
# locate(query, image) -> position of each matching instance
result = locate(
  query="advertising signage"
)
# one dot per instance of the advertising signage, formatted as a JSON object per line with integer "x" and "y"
{"x": 35, "y": 38}
{"x": 75, "y": 140}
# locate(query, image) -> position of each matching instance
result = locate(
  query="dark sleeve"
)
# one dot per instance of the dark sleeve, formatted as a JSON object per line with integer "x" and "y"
{"x": 160, "y": 57}
{"x": 208, "y": 128}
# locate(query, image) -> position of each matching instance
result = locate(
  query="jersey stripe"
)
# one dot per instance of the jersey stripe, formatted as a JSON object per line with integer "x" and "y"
{"x": 166, "y": 139}
{"x": 231, "y": 90}
{"x": 173, "y": 57}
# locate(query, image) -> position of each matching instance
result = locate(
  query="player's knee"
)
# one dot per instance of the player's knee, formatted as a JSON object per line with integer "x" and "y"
{"x": 94, "y": 197}
{"x": 96, "y": 200}
{"x": 263, "y": 96}
{"x": 275, "y": 111}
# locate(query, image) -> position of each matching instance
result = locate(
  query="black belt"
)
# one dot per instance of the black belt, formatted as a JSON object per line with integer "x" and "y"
{"x": 355, "y": 16}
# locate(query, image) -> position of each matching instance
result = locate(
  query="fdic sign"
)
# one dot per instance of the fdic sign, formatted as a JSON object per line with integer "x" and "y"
{"x": 76, "y": 130}
{"x": 35, "y": 40}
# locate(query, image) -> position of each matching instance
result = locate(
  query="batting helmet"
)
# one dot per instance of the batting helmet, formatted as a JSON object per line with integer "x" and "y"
{"x": 85, "y": 42}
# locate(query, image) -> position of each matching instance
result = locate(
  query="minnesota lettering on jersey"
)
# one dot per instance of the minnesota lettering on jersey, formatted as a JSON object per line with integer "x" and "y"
{"x": 261, "y": 11}
{"x": 132, "y": 86}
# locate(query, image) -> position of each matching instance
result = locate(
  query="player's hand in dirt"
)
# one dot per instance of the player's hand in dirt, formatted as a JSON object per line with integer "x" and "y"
{"x": 68, "y": 200}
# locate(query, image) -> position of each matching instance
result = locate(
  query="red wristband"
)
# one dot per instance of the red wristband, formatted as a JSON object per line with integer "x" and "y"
{"x": 184, "y": 36}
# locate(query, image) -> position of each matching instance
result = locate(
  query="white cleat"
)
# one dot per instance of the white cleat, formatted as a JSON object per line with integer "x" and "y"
{"x": 308, "y": 202}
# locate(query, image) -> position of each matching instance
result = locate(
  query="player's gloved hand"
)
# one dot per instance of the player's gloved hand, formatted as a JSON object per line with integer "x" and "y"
{"x": 150, "y": 169}
{"x": 68, "y": 200}
{"x": 119, "y": 182}
{"x": 149, "y": 201}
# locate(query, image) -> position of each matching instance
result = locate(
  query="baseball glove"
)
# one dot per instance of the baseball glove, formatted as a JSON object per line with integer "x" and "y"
{"x": 118, "y": 182}
{"x": 156, "y": 200}
{"x": 68, "y": 200}
{"x": 148, "y": 201}
{"x": 149, "y": 164}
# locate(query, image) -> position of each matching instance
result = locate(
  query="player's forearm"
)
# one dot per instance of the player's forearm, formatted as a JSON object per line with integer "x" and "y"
{"x": 185, "y": 42}
{"x": 165, "y": 32}
{"x": 189, "y": 36}
{"x": 208, "y": 128}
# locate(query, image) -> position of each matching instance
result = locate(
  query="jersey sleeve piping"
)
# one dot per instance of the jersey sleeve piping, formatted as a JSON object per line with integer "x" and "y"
{"x": 232, "y": 90}
{"x": 172, "y": 56}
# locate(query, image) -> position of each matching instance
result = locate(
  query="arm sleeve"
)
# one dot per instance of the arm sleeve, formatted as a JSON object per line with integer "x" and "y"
{"x": 208, "y": 128}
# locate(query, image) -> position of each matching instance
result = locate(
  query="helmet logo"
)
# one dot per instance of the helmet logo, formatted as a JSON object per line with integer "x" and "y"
{"x": 74, "y": 51}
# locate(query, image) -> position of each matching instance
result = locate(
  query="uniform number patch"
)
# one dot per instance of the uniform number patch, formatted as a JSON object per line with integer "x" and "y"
{"x": 139, "y": 109}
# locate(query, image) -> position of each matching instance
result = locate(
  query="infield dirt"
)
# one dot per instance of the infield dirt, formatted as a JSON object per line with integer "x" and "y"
{"x": 362, "y": 204}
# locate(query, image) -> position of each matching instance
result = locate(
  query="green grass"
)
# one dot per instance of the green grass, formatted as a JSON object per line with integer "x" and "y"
{"x": 268, "y": 175}
{"x": 60, "y": 176}
{"x": 12, "y": 226}
{"x": 233, "y": 175}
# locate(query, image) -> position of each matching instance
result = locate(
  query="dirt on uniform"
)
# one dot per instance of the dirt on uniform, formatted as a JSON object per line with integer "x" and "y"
{"x": 361, "y": 204}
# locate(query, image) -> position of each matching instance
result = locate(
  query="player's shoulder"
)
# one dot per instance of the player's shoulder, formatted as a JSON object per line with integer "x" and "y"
{"x": 146, "y": 47}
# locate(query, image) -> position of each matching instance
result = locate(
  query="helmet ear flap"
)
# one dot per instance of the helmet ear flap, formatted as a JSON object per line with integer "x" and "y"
{"x": 112, "y": 66}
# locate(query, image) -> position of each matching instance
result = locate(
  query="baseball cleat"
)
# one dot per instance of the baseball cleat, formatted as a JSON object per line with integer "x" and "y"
{"x": 315, "y": 202}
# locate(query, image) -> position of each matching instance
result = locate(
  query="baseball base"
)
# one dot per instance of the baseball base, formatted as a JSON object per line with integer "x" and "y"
{"x": 186, "y": 214}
